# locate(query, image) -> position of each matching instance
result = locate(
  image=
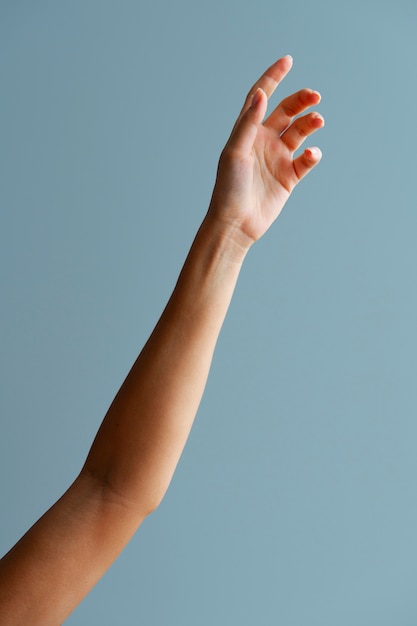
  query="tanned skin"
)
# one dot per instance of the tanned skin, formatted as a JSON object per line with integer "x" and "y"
{"x": 135, "y": 452}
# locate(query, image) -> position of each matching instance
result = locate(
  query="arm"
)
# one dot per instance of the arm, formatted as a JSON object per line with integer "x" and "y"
{"x": 137, "y": 447}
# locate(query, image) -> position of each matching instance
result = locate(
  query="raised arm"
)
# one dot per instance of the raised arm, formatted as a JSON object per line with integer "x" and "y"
{"x": 137, "y": 447}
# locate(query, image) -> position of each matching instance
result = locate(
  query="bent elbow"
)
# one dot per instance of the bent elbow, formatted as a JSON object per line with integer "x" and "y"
{"x": 139, "y": 500}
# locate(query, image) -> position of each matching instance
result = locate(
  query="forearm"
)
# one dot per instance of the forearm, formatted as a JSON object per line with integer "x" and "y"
{"x": 143, "y": 434}
{"x": 137, "y": 447}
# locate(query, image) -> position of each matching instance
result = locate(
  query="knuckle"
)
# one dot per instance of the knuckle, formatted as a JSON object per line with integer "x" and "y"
{"x": 303, "y": 97}
{"x": 289, "y": 108}
{"x": 302, "y": 130}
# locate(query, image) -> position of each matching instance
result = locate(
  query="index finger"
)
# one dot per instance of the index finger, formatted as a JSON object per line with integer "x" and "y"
{"x": 269, "y": 80}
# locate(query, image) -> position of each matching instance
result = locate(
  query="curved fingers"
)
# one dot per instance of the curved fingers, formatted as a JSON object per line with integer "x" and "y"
{"x": 291, "y": 106}
{"x": 294, "y": 136}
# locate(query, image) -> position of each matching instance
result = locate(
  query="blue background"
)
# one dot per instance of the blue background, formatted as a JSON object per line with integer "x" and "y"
{"x": 295, "y": 500}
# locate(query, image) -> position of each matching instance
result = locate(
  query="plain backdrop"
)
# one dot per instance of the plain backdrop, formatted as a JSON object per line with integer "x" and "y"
{"x": 295, "y": 500}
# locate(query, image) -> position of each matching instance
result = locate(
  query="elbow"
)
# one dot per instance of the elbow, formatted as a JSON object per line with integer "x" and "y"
{"x": 151, "y": 501}
{"x": 141, "y": 500}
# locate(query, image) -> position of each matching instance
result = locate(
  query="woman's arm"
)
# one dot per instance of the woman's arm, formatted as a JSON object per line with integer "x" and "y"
{"x": 137, "y": 447}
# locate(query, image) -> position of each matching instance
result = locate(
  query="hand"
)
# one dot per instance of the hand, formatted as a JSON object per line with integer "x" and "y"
{"x": 257, "y": 169}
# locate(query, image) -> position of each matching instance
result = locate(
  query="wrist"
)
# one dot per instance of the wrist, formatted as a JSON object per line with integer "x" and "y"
{"x": 227, "y": 236}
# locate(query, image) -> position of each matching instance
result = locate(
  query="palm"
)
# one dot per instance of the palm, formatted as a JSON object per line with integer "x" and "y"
{"x": 273, "y": 176}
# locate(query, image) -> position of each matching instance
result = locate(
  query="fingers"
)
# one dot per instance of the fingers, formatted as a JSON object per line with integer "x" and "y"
{"x": 281, "y": 121}
{"x": 269, "y": 81}
{"x": 306, "y": 161}
{"x": 291, "y": 106}
{"x": 302, "y": 127}
{"x": 246, "y": 128}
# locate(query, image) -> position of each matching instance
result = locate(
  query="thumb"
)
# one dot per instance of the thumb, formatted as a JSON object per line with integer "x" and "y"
{"x": 246, "y": 128}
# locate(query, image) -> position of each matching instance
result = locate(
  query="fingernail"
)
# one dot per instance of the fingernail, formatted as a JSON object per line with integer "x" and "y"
{"x": 317, "y": 116}
{"x": 256, "y": 97}
{"x": 289, "y": 57}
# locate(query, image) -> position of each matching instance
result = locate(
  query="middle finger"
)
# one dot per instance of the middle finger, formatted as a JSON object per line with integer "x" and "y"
{"x": 295, "y": 104}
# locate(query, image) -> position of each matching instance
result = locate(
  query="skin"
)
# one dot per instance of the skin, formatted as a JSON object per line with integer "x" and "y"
{"x": 135, "y": 452}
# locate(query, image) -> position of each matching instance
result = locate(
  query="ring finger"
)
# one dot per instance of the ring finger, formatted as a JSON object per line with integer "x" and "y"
{"x": 302, "y": 127}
